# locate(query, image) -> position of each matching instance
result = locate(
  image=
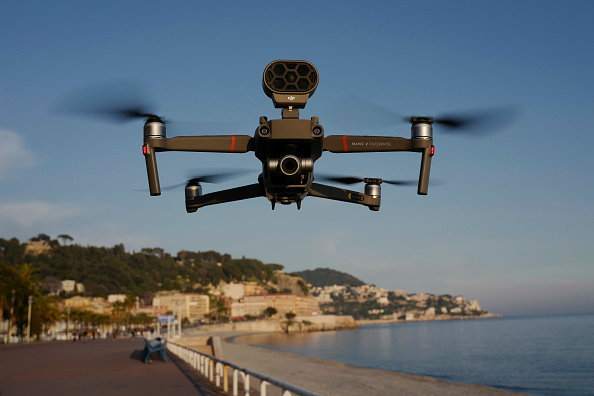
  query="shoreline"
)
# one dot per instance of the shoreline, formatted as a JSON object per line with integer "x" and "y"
{"x": 334, "y": 378}
{"x": 437, "y": 318}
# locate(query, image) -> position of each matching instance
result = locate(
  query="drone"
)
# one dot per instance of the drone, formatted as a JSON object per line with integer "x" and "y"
{"x": 289, "y": 147}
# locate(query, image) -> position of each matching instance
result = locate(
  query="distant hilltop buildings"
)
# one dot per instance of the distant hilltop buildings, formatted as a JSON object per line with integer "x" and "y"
{"x": 392, "y": 305}
{"x": 55, "y": 286}
{"x": 35, "y": 248}
{"x": 241, "y": 300}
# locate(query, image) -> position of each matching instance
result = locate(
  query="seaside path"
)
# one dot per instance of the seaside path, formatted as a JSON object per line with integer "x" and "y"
{"x": 99, "y": 367}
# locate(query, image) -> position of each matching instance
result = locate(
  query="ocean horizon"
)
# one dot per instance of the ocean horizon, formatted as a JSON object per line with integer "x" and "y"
{"x": 536, "y": 355}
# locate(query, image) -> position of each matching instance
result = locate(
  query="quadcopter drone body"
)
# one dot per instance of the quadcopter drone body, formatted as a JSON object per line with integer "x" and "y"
{"x": 288, "y": 148}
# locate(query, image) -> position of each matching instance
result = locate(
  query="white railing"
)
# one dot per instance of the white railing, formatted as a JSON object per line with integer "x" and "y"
{"x": 216, "y": 370}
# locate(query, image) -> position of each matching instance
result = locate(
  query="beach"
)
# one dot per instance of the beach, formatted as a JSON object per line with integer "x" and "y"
{"x": 338, "y": 379}
{"x": 106, "y": 367}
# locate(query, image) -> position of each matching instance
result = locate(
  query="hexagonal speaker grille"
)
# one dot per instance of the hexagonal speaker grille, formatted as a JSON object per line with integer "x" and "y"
{"x": 288, "y": 76}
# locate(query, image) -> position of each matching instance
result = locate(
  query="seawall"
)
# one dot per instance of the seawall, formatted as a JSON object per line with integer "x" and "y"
{"x": 365, "y": 322}
{"x": 298, "y": 324}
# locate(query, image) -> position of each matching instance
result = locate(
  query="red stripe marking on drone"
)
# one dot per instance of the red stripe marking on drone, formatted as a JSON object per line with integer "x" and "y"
{"x": 232, "y": 143}
{"x": 344, "y": 143}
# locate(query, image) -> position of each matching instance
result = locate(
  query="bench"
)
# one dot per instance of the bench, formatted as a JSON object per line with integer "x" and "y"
{"x": 155, "y": 345}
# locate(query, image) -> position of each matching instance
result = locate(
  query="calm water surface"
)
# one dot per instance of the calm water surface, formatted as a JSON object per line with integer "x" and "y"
{"x": 551, "y": 355}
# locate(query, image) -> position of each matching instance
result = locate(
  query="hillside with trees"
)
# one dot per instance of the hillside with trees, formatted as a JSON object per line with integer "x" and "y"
{"x": 321, "y": 277}
{"x": 112, "y": 270}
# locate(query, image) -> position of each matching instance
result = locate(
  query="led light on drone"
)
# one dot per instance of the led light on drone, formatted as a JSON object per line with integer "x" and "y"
{"x": 290, "y": 83}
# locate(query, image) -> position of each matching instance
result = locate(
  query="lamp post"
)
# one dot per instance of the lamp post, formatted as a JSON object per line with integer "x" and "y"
{"x": 179, "y": 324}
{"x": 29, "y": 320}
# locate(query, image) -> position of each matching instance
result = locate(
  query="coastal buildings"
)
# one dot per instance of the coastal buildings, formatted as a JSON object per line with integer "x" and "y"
{"x": 94, "y": 304}
{"x": 283, "y": 303}
{"x": 192, "y": 306}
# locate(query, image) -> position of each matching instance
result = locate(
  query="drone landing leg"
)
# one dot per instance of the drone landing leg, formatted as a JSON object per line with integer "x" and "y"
{"x": 339, "y": 194}
{"x": 233, "y": 194}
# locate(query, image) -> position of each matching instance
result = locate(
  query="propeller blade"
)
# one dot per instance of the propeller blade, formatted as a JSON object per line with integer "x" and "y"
{"x": 354, "y": 180}
{"x": 401, "y": 182}
{"x": 124, "y": 101}
{"x": 116, "y": 101}
{"x": 479, "y": 122}
{"x": 341, "y": 180}
{"x": 218, "y": 177}
{"x": 356, "y": 114}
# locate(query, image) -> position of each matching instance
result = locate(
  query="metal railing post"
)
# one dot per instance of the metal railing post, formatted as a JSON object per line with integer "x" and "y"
{"x": 216, "y": 369}
{"x": 263, "y": 388}
{"x": 225, "y": 379}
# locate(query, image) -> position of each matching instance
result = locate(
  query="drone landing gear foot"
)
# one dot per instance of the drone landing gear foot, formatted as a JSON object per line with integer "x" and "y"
{"x": 272, "y": 202}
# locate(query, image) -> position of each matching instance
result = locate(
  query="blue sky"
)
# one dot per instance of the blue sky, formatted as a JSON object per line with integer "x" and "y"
{"x": 512, "y": 227}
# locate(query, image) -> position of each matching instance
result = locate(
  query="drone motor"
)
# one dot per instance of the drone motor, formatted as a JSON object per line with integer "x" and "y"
{"x": 421, "y": 128}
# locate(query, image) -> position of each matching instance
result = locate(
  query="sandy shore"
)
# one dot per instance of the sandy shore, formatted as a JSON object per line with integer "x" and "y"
{"x": 334, "y": 378}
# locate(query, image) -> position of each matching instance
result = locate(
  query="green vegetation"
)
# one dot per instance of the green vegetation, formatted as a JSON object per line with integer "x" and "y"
{"x": 321, "y": 277}
{"x": 17, "y": 287}
{"x": 112, "y": 270}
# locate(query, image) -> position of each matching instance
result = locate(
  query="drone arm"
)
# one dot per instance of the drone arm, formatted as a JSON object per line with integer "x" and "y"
{"x": 213, "y": 144}
{"x": 366, "y": 144}
{"x": 218, "y": 197}
{"x": 339, "y": 194}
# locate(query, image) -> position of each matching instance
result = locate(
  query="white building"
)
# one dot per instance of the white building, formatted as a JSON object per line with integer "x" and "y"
{"x": 68, "y": 285}
{"x": 234, "y": 291}
{"x": 193, "y": 306}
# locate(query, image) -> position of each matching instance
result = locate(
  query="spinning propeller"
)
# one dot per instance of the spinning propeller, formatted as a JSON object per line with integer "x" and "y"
{"x": 124, "y": 101}
{"x": 360, "y": 114}
{"x": 353, "y": 180}
{"x": 208, "y": 178}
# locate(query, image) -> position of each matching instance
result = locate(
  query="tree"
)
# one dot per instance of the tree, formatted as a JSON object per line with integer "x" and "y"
{"x": 219, "y": 309}
{"x": 270, "y": 312}
{"x": 65, "y": 238}
{"x": 118, "y": 312}
{"x": 289, "y": 322}
{"x": 41, "y": 238}
{"x": 16, "y": 285}
{"x": 143, "y": 319}
{"x": 129, "y": 305}
{"x": 44, "y": 312}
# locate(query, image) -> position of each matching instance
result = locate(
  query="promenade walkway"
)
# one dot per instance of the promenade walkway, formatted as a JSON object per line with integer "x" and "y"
{"x": 99, "y": 367}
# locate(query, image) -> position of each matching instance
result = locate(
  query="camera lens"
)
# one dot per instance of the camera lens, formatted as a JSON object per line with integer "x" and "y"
{"x": 289, "y": 165}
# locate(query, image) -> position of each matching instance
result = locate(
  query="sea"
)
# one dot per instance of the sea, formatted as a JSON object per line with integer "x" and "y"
{"x": 535, "y": 355}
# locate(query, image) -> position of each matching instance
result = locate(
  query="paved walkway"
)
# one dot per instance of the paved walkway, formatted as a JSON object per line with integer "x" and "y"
{"x": 100, "y": 367}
